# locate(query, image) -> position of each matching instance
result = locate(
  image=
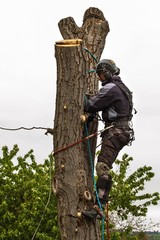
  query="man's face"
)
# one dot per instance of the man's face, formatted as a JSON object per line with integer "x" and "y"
{"x": 101, "y": 76}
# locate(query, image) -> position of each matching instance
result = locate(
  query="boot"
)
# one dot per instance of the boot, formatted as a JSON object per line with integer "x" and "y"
{"x": 91, "y": 213}
{"x": 96, "y": 211}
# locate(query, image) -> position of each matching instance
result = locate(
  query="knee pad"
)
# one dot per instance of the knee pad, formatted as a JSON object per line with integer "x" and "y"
{"x": 104, "y": 183}
{"x": 102, "y": 169}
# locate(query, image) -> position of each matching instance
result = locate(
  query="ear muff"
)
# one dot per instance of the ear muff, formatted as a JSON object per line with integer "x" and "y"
{"x": 107, "y": 75}
{"x": 117, "y": 72}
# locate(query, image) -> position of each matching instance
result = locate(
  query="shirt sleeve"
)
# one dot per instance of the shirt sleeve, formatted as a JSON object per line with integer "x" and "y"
{"x": 102, "y": 100}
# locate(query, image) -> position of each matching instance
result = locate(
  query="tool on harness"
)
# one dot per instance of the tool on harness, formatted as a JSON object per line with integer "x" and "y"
{"x": 123, "y": 125}
{"x": 92, "y": 116}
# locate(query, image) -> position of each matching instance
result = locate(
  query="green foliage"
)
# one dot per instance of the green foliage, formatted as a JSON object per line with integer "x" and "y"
{"x": 128, "y": 200}
{"x": 129, "y": 235}
{"x": 28, "y": 206}
{"x": 125, "y": 195}
{"x": 25, "y": 190}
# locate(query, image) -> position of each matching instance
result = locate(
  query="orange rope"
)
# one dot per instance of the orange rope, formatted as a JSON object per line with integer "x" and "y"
{"x": 81, "y": 140}
{"x": 107, "y": 223}
{"x": 75, "y": 143}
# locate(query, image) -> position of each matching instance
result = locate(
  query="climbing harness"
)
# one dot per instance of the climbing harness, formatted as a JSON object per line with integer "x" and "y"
{"x": 128, "y": 94}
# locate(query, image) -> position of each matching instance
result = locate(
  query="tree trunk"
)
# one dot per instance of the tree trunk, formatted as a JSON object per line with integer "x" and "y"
{"x": 73, "y": 181}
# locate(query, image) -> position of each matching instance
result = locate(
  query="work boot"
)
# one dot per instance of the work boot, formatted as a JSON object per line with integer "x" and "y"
{"x": 94, "y": 212}
{"x": 91, "y": 213}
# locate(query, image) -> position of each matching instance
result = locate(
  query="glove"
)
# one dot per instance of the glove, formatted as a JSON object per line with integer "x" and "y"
{"x": 91, "y": 116}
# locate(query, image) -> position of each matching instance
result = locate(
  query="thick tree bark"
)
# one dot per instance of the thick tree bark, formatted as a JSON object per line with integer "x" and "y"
{"x": 73, "y": 173}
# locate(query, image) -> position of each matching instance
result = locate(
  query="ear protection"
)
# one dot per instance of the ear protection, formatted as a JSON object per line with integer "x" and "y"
{"x": 107, "y": 74}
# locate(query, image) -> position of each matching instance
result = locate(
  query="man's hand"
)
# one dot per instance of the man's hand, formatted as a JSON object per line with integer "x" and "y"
{"x": 91, "y": 116}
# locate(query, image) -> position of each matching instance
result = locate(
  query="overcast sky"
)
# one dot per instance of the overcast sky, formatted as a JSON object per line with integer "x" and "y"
{"x": 28, "y": 32}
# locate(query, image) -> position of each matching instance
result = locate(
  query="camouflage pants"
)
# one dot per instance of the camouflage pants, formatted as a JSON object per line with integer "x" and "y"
{"x": 113, "y": 140}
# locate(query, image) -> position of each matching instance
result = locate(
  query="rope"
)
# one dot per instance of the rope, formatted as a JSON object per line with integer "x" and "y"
{"x": 91, "y": 55}
{"x": 94, "y": 182}
{"x": 49, "y": 197}
{"x": 25, "y": 128}
{"x": 91, "y": 70}
{"x": 107, "y": 223}
{"x": 49, "y": 130}
{"x": 75, "y": 143}
{"x": 79, "y": 141}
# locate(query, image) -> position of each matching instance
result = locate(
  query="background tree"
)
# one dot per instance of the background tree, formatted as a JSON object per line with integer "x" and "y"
{"x": 28, "y": 208}
{"x": 126, "y": 190}
{"x": 128, "y": 200}
{"x": 25, "y": 190}
{"x": 73, "y": 173}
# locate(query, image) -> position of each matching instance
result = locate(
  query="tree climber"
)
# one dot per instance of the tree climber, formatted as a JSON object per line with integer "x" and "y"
{"x": 114, "y": 99}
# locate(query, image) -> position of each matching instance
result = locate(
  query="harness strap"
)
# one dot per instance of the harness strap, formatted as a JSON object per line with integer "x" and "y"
{"x": 118, "y": 124}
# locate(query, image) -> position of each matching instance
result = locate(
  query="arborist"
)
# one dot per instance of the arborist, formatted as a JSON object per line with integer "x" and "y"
{"x": 114, "y": 99}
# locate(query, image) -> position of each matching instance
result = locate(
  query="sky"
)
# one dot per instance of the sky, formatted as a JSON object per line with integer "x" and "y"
{"x": 28, "y": 32}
